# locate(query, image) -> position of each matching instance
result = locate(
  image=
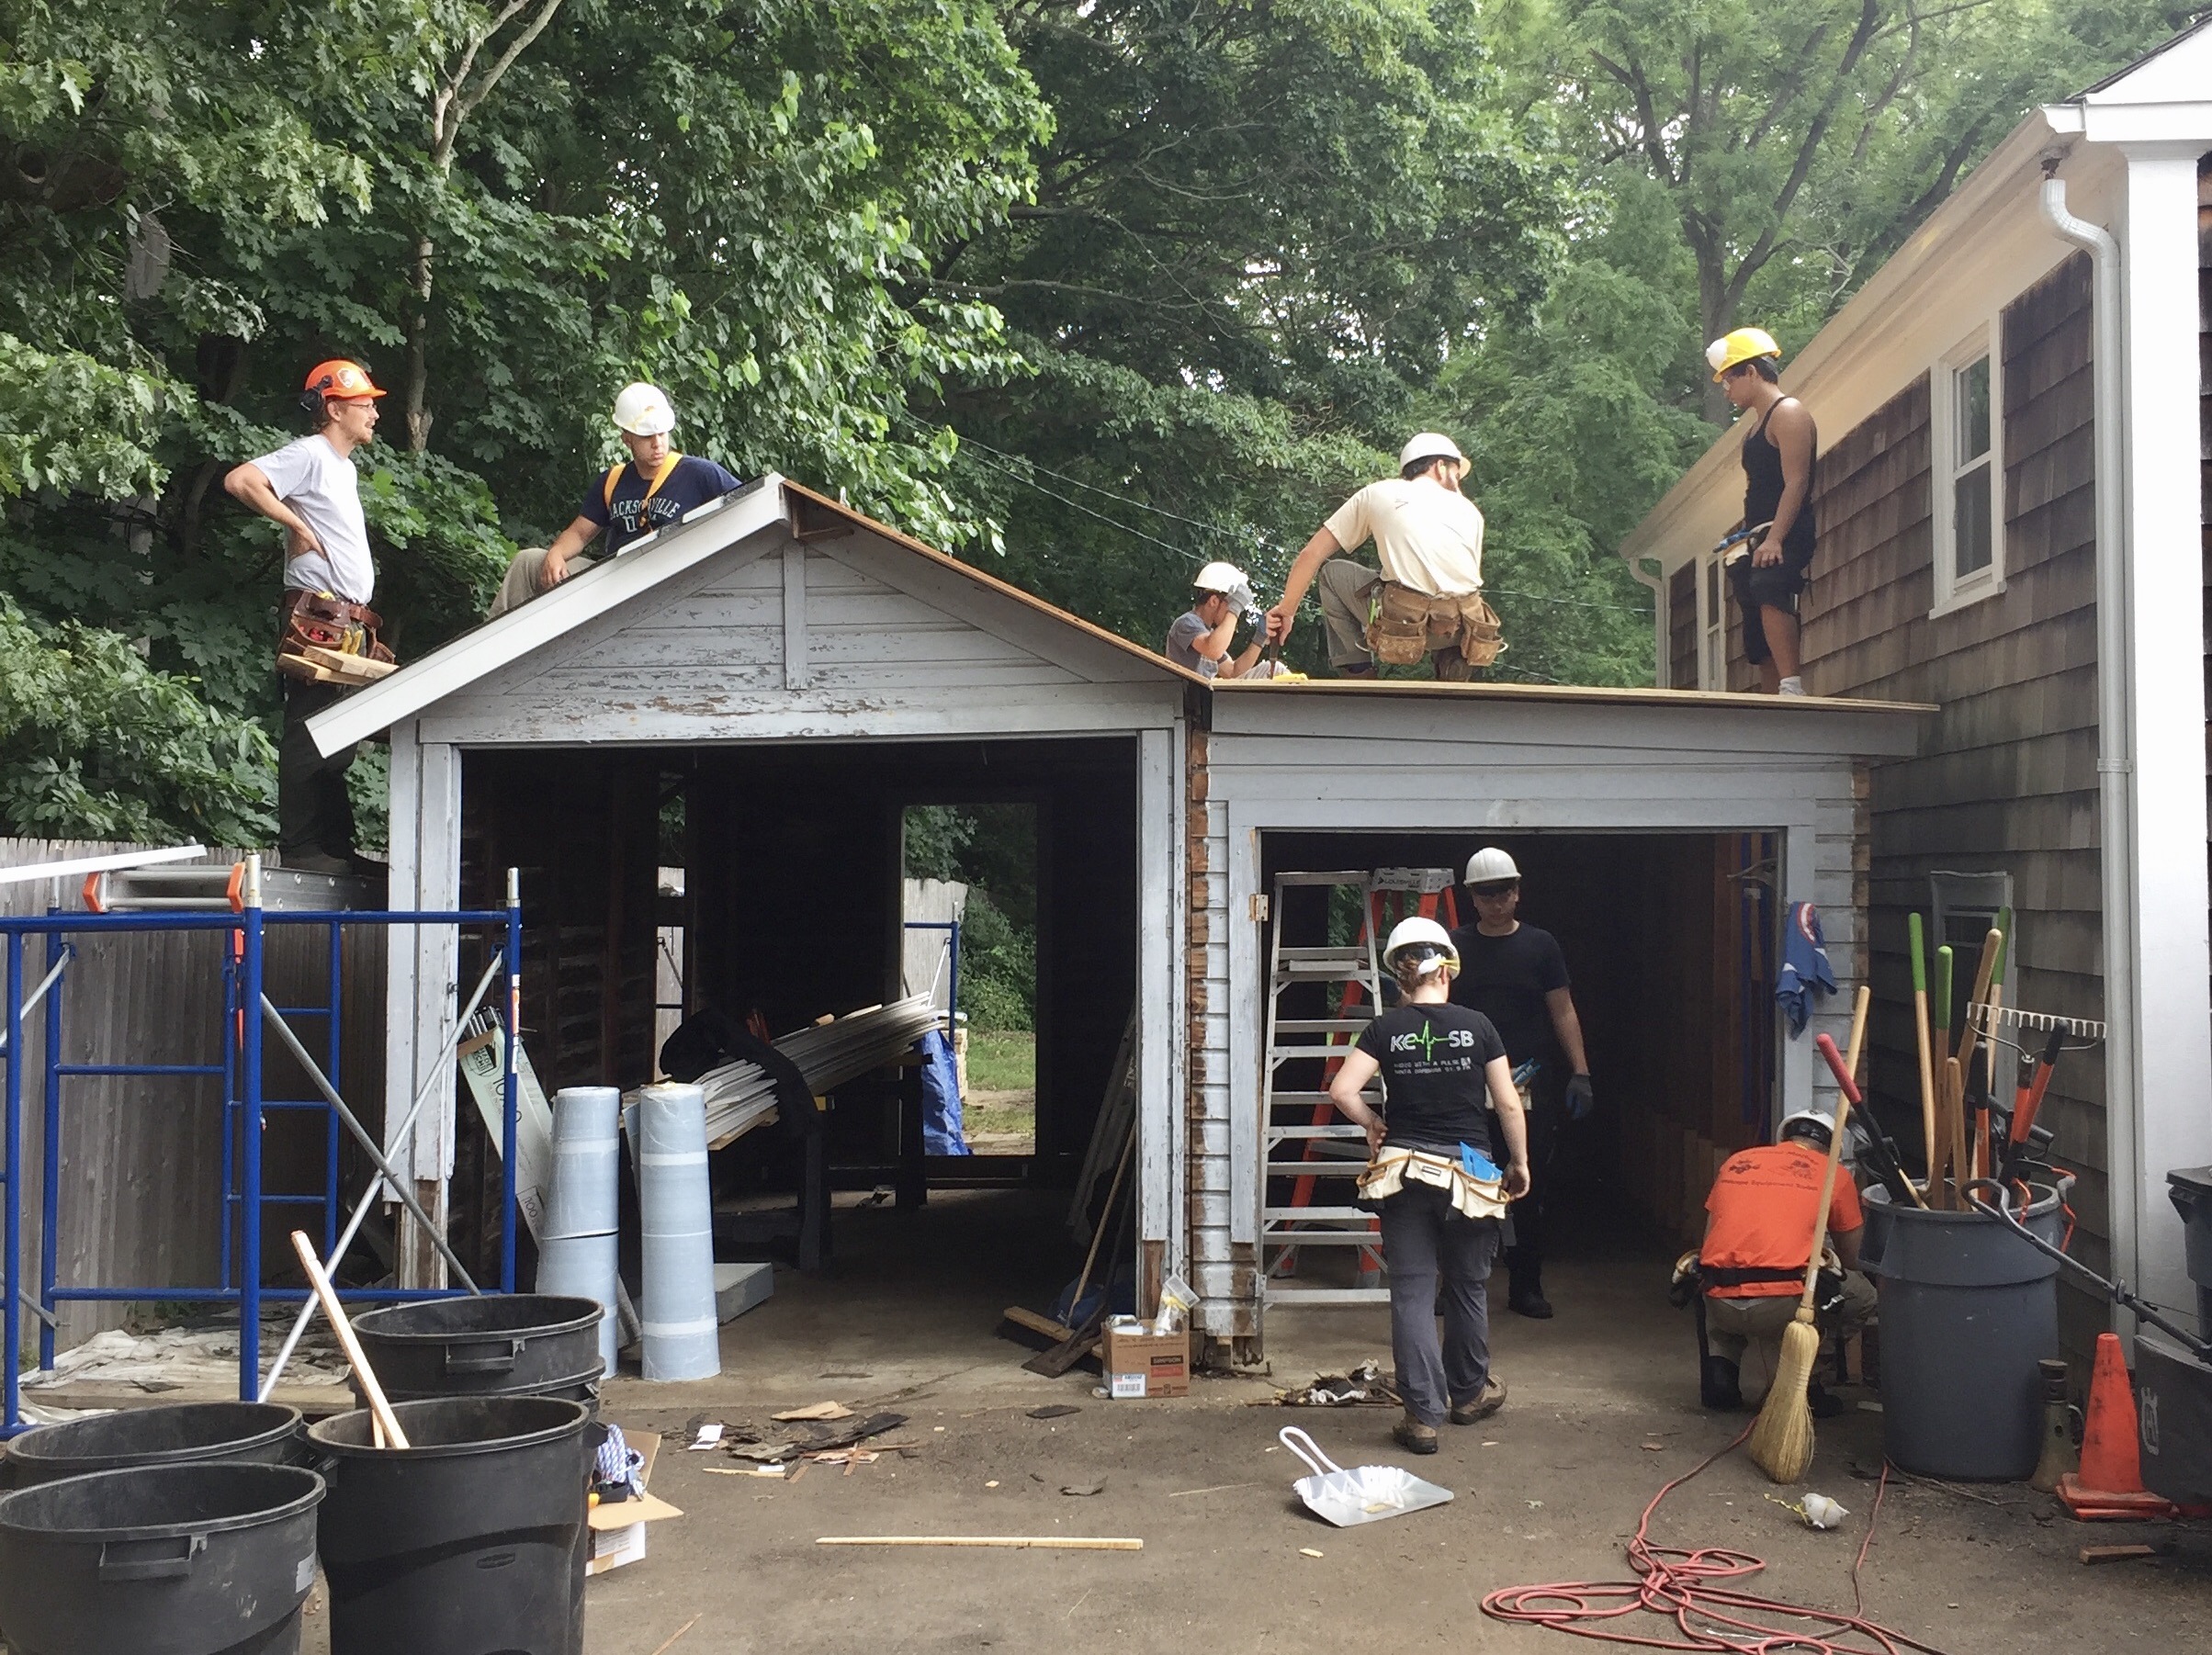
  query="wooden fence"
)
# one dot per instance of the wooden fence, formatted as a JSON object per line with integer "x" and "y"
{"x": 140, "y": 1192}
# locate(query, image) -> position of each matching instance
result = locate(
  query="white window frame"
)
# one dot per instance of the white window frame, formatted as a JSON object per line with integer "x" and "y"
{"x": 1952, "y": 590}
{"x": 1713, "y": 623}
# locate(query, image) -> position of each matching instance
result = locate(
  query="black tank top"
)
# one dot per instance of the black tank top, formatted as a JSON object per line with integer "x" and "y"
{"x": 1763, "y": 487}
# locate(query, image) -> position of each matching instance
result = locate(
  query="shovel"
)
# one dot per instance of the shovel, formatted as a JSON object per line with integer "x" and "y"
{"x": 1364, "y": 1494}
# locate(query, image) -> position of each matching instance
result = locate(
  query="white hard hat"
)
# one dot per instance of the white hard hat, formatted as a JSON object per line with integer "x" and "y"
{"x": 643, "y": 411}
{"x": 1417, "y": 932}
{"x": 1814, "y": 1123}
{"x": 1490, "y": 866}
{"x": 1218, "y": 576}
{"x": 1429, "y": 445}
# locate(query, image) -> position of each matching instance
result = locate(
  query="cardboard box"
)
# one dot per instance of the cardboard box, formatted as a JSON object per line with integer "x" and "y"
{"x": 1142, "y": 1364}
{"x": 618, "y": 1530}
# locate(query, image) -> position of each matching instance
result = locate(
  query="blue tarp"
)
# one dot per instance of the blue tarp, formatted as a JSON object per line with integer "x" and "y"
{"x": 940, "y": 1127}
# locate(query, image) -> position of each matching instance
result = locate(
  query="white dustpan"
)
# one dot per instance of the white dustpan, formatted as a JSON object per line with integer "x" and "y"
{"x": 1364, "y": 1493}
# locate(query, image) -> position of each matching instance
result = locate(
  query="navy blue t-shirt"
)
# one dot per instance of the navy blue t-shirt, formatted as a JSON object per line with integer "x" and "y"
{"x": 693, "y": 482}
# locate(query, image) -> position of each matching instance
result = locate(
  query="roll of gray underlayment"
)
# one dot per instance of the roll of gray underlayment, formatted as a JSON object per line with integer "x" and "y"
{"x": 676, "y": 1233}
{"x": 576, "y": 1247}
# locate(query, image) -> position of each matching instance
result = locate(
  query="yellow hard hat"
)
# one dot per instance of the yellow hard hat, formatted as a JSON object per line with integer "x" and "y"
{"x": 1740, "y": 346}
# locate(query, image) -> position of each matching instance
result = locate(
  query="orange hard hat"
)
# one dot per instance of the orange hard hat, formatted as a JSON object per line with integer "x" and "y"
{"x": 339, "y": 377}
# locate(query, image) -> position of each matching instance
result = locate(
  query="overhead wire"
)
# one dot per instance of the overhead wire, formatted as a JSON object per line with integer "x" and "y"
{"x": 1238, "y": 536}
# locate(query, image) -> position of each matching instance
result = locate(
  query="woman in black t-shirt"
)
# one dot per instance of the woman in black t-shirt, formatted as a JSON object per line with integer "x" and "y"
{"x": 1436, "y": 1061}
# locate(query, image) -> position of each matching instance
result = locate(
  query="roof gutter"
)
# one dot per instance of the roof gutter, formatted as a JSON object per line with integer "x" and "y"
{"x": 1656, "y": 585}
{"x": 2116, "y": 723}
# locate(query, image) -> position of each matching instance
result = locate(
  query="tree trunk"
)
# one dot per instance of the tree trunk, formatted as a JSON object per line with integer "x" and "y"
{"x": 418, "y": 359}
{"x": 1717, "y": 312}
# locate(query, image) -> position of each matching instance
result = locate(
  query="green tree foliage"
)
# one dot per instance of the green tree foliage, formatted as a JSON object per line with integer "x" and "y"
{"x": 743, "y": 201}
{"x": 1260, "y": 232}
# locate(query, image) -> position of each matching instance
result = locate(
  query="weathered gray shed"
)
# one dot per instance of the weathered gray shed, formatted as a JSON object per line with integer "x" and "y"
{"x": 799, "y": 672}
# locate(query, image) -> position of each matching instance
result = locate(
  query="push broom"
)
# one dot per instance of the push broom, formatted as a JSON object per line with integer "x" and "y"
{"x": 1781, "y": 1442}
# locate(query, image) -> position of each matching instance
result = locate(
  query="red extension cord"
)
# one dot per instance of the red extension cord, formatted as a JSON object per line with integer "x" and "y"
{"x": 1678, "y": 1585}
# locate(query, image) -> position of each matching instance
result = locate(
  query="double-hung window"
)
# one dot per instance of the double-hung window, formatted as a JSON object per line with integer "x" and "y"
{"x": 1967, "y": 477}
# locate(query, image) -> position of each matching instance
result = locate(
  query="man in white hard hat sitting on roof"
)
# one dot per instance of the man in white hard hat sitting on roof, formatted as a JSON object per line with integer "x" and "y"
{"x": 1427, "y": 596}
{"x": 1200, "y": 639}
{"x": 654, "y": 487}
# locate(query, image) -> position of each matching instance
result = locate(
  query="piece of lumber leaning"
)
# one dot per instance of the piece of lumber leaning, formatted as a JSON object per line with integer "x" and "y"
{"x": 1001, "y": 1542}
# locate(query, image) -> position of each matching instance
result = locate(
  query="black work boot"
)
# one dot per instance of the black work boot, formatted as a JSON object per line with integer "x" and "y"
{"x": 1718, "y": 1387}
{"x": 1525, "y": 1292}
{"x": 1824, "y": 1404}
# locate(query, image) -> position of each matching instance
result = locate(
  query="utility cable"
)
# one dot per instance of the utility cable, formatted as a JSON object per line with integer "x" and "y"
{"x": 1238, "y": 536}
{"x": 1681, "y": 1585}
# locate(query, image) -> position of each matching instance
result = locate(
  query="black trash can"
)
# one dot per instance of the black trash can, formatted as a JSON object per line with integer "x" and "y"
{"x": 186, "y": 1559}
{"x": 491, "y": 1344}
{"x": 2190, "y": 1191}
{"x": 1967, "y": 1310}
{"x": 179, "y": 1433}
{"x": 471, "y": 1541}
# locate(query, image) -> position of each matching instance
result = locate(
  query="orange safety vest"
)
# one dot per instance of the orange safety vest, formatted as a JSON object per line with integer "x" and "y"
{"x": 1761, "y": 1212}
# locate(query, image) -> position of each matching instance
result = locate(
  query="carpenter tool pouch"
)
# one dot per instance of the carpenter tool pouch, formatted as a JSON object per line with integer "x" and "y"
{"x": 1403, "y": 626}
{"x": 326, "y": 639}
{"x": 1396, "y": 1167}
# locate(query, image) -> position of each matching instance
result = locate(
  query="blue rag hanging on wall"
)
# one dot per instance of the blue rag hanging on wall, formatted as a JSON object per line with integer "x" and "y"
{"x": 1805, "y": 969}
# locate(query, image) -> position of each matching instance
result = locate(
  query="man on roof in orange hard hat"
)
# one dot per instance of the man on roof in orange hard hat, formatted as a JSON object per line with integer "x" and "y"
{"x": 1427, "y": 600}
{"x": 651, "y": 490}
{"x": 1770, "y": 573}
{"x": 310, "y": 489}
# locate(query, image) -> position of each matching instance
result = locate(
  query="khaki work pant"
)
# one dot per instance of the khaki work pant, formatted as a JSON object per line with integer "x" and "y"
{"x": 1348, "y": 592}
{"x": 1732, "y": 1326}
{"x": 521, "y": 584}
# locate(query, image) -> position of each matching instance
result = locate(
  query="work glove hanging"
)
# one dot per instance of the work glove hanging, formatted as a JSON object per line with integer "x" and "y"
{"x": 1580, "y": 1098}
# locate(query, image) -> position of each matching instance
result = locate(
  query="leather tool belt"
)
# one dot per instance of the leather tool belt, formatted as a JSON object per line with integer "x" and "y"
{"x": 316, "y": 627}
{"x": 1405, "y": 624}
{"x": 1396, "y": 1167}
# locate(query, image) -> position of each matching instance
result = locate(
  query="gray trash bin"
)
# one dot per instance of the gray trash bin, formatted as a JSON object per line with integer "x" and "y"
{"x": 1967, "y": 1310}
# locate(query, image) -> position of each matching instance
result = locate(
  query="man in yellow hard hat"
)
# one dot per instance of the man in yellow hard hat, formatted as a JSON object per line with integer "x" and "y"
{"x": 1778, "y": 503}
{"x": 308, "y": 488}
{"x": 1427, "y": 600}
{"x": 653, "y": 489}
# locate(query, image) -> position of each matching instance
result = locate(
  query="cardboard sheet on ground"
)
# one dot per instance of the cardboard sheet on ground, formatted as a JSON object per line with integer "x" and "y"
{"x": 618, "y": 1530}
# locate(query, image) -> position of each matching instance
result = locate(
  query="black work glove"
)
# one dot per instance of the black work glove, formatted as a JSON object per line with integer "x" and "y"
{"x": 1580, "y": 1098}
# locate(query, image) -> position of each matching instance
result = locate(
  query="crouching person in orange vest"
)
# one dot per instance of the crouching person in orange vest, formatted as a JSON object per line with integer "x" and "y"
{"x": 1751, "y": 1267}
{"x": 653, "y": 490}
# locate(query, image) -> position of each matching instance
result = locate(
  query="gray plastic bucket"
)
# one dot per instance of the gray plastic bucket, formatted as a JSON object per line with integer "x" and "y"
{"x": 1967, "y": 1310}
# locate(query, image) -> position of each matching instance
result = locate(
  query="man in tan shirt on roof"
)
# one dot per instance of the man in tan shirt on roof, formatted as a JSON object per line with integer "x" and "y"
{"x": 1427, "y": 596}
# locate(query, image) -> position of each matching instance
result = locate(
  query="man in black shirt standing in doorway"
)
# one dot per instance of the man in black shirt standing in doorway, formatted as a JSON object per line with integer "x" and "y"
{"x": 1514, "y": 975}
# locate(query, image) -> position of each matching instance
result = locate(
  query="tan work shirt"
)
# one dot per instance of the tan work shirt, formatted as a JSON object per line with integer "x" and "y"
{"x": 1426, "y": 537}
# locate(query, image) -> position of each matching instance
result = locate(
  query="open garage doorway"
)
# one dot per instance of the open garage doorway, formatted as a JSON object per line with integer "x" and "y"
{"x": 1671, "y": 942}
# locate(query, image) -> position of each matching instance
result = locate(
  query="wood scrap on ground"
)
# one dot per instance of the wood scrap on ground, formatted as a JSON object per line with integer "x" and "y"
{"x": 815, "y": 1410}
{"x": 1003, "y": 1542}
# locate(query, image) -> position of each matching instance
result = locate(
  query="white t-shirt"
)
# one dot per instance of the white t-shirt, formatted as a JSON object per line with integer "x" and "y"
{"x": 1426, "y": 536}
{"x": 321, "y": 486}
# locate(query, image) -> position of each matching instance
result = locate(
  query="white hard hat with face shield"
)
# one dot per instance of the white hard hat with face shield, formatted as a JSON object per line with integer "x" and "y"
{"x": 1423, "y": 941}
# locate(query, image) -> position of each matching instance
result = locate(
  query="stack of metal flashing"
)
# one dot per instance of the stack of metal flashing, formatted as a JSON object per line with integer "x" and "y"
{"x": 741, "y": 1096}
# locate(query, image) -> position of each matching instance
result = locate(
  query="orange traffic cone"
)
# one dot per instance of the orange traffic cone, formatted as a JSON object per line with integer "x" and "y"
{"x": 2109, "y": 1485}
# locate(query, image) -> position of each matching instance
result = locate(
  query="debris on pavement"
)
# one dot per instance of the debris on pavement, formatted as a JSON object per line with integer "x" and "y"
{"x": 2117, "y": 1554}
{"x": 813, "y": 1410}
{"x": 998, "y": 1542}
{"x": 1054, "y": 1411}
{"x": 1307, "y": 1551}
{"x": 707, "y": 1436}
{"x": 1364, "y": 1386}
{"x": 1083, "y": 1488}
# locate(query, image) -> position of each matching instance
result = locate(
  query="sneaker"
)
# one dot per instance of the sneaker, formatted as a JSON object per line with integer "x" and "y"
{"x": 1414, "y": 1437}
{"x": 1790, "y": 686}
{"x": 1492, "y": 1399}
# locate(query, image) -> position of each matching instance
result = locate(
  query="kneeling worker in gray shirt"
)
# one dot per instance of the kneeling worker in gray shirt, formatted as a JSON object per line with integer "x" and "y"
{"x": 1200, "y": 639}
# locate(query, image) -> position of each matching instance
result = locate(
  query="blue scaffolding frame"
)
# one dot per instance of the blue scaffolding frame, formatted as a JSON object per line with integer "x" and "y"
{"x": 244, "y": 1112}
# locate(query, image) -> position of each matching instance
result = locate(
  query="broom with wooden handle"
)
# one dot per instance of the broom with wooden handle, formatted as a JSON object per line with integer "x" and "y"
{"x": 1781, "y": 1442}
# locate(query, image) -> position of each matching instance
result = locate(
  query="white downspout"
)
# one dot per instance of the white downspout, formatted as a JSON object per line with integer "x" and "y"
{"x": 1661, "y": 668}
{"x": 2116, "y": 729}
